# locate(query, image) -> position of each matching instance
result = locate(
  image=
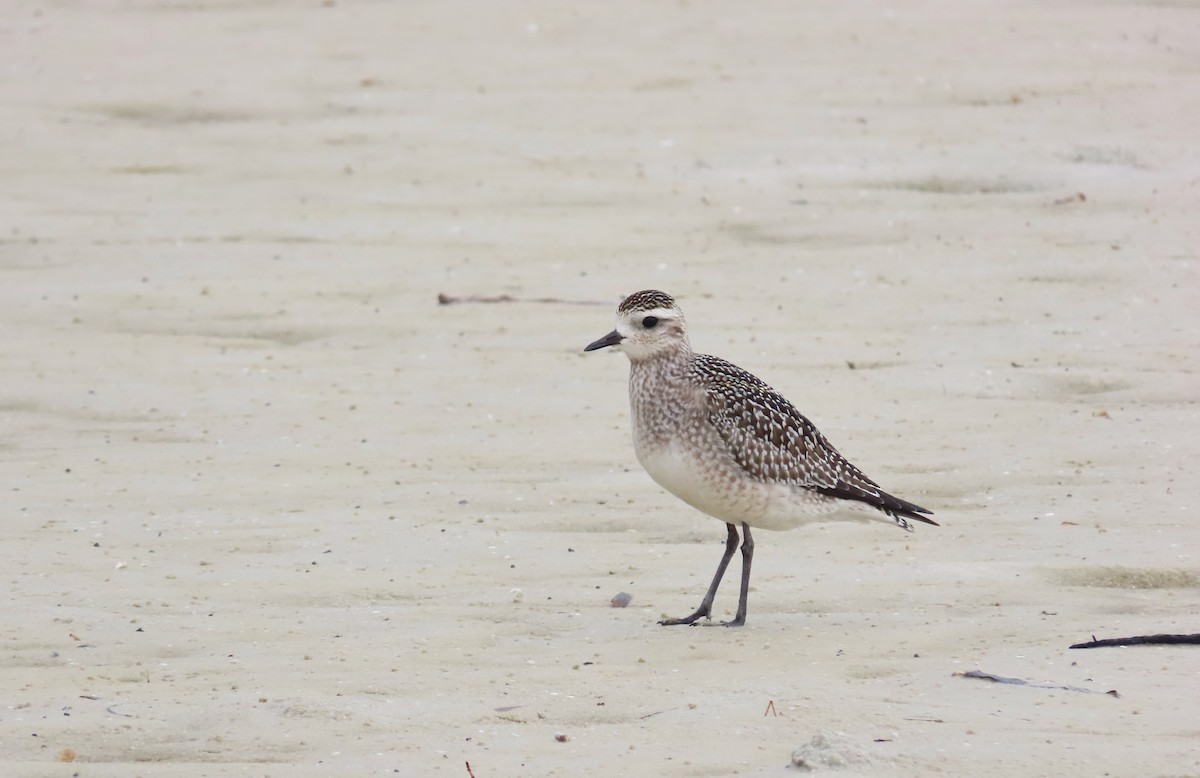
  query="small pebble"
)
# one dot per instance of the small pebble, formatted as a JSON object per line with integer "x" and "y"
{"x": 561, "y": 738}
{"x": 621, "y": 600}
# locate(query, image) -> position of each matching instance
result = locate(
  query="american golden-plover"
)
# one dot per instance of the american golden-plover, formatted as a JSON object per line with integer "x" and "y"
{"x": 726, "y": 443}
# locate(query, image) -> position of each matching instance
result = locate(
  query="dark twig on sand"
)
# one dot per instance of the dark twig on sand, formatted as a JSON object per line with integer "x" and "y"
{"x": 449, "y": 299}
{"x": 1022, "y": 682}
{"x": 1141, "y": 640}
{"x": 655, "y": 713}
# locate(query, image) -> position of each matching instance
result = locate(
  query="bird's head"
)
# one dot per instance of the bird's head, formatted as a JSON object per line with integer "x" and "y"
{"x": 649, "y": 324}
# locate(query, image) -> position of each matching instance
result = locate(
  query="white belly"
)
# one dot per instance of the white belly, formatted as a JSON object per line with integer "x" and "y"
{"x": 717, "y": 486}
{"x": 677, "y": 445}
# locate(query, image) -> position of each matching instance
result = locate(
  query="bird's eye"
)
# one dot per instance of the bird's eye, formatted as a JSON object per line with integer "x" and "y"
{"x": 650, "y": 322}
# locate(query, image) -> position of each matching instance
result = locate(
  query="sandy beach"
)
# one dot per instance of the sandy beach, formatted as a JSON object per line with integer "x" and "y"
{"x": 272, "y": 509}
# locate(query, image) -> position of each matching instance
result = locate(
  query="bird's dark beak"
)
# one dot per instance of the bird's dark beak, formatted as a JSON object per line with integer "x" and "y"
{"x": 611, "y": 339}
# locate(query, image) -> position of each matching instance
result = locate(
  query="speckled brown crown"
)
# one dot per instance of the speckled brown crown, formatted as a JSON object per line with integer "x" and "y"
{"x": 646, "y": 300}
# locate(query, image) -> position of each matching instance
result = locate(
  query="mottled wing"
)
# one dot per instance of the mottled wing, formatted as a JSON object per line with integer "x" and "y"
{"x": 774, "y": 442}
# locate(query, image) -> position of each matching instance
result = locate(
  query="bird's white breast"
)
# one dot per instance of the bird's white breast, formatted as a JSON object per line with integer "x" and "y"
{"x": 683, "y": 452}
{"x": 710, "y": 482}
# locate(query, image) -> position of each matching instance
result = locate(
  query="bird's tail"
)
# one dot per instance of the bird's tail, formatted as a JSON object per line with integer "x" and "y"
{"x": 903, "y": 510}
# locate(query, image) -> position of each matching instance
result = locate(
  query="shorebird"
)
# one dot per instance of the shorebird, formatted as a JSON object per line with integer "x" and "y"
{"x": 726, "y": 443}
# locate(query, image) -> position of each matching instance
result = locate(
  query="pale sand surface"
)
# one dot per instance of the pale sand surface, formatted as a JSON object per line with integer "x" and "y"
{"x": 270, "y": 510}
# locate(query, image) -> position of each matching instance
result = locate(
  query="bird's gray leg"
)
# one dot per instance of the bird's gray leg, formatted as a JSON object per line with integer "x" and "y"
{"x": 747, "y": 557}
{"x": 705, "y": 609}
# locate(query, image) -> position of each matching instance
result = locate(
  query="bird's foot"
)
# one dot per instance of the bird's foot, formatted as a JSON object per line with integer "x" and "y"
{"x": 740, "y": 621}
{"x": 701, "y": 613}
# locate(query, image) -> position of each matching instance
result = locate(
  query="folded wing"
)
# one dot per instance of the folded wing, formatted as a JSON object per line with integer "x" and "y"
{"x": 772, "y": 441}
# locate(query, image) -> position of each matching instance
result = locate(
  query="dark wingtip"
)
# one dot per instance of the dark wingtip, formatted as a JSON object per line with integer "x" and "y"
{"x": 882, "y": 501}
{"x": 922, "y": 518}
{"x": 908, "y": 510}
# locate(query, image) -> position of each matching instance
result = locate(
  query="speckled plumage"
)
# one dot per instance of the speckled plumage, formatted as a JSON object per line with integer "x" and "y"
{"x": 725, "y": 442}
